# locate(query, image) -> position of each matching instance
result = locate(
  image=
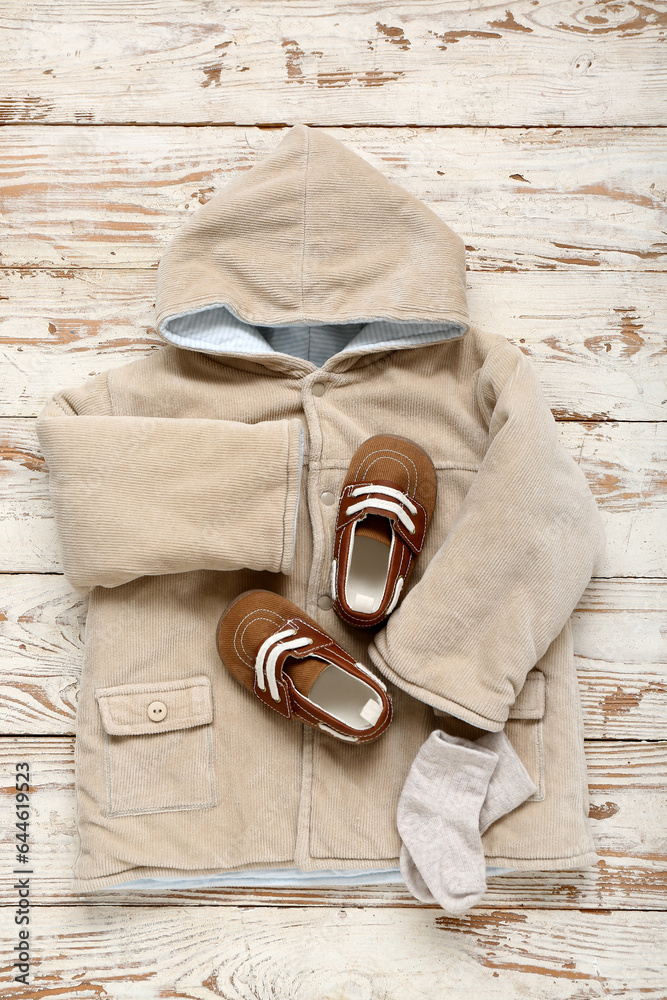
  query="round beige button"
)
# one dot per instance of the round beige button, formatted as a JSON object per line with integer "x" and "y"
{"x": 324, "y": 602}
{"x": 318, "y": 388}
{"x": 328, "y": 498}
{"x": 157, "y": 711}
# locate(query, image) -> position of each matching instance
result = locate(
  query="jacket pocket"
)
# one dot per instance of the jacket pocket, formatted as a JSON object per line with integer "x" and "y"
{"x": 523, "y": 728}
{"x": 158, "y": 746}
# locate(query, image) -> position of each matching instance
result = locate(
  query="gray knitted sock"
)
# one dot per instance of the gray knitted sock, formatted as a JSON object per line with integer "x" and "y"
{"x": 509, "y": 786}
{"x": 510, "y": 783}
{"x": 438, "y": 818}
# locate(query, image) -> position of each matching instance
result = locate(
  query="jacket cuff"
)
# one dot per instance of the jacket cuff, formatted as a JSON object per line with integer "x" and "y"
{"x": 429, "y": 697}
{"x": 295, "y": 448}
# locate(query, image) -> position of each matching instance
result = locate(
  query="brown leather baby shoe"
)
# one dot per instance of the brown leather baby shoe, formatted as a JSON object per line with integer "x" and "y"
{"x": 281, "y": 654}
{"x": 386, "y": 504}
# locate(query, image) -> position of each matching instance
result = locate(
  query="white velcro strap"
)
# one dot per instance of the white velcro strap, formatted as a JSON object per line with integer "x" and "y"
{"x": 262, "y": 651}
{"x": 271, "y": 662}
{"x": 278, "y": 648}
{"x": 384, "y": 505}
{"x": 389, "y": 490}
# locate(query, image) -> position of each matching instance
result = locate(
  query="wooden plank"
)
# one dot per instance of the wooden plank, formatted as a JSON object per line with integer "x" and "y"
{"x": 624, "y": 464}
{"x": 618, "y": 633}
{"x": 522, "y": 199}
{"x": 355, "y": 954}
{"x": 60, "y": 326}
{"x": 597, "y": 346}
{"x": 521, "y": 62}
{"x": 368, "y": 954}
{"x": 628, "y": 816}
{"x": 626, "y": 467}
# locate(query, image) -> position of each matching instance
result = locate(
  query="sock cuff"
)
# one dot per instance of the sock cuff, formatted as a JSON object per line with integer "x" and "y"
{"x": 442, "y": 754}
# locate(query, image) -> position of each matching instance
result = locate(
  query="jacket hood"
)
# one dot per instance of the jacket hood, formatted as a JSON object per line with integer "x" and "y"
{"x": 310, "y": 253}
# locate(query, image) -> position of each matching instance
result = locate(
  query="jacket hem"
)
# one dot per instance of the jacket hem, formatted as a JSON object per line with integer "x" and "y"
{"x": 585, "y": 860}
{"x": 435, "y": 700}
{"x": 98, "y": 882}
{"x": 83, "y": 885}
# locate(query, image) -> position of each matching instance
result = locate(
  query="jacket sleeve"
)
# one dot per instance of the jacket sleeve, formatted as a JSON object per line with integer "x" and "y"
{"x": 141, "y": 495}
{"x": 519, "y": 554}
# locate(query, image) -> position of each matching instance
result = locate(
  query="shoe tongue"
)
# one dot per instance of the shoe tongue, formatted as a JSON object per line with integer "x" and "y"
{"x": 375, "y": 526}
{"x": 304, "y": 673}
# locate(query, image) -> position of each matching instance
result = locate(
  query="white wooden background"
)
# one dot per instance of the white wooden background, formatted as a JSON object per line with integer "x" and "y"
{"x": 533, "y": 128}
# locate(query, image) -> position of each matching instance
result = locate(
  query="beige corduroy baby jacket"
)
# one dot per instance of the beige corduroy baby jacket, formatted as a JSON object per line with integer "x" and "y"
{"x": 311, "y": 304}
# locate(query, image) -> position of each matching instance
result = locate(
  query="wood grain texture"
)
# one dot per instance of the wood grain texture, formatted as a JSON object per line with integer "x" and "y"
{"x": 628, "y": 815}
{"x": 598, "y": 347}
{"x": 624, "y": 464}
{"x": 353, "y": 954}
{"x": 522, "y": 199}
{"x": 619, "y": 629}
{"x": 428, "y": 62}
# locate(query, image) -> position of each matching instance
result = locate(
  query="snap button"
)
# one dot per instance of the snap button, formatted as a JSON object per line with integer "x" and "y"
{"x": 324, "y": 602}
{"x": 328, "y": 498}
{"x": 317, "y": 388}
{"x": 157, "y": 711}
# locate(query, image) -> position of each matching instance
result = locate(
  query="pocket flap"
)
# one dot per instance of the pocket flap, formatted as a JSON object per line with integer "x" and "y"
{"x": 529, "y": 703}
{"x": 173, "y": 705}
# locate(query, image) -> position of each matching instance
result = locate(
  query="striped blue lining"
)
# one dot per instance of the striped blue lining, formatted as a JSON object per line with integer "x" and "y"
{"x": 217, "y": 329}
{"x": 271, "y": 877}
{"x": 285, "y": 877}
